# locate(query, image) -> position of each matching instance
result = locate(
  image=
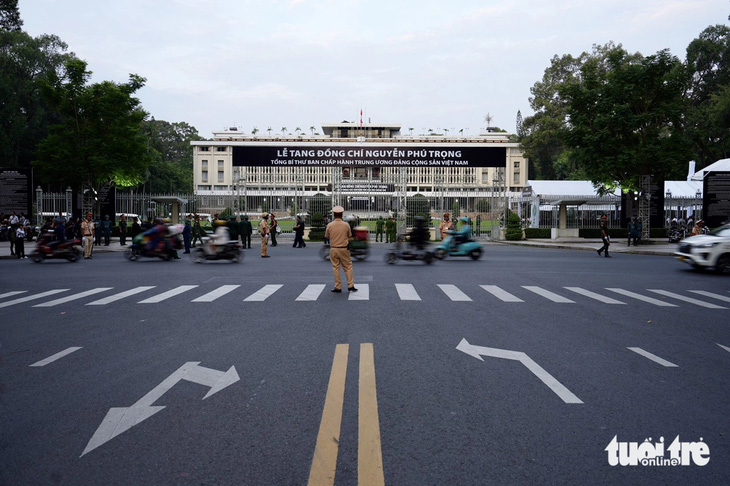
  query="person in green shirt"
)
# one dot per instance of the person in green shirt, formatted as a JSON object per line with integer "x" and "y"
{"x": 198, "y": 232}
{"x": 246, "y": 229}
{"x": 379, "y": 225}
{"x": 390, "y": 230}
{"x": 123, "y": 230}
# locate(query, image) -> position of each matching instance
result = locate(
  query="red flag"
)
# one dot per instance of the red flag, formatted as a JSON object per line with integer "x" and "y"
{"x": 361, "y": 117}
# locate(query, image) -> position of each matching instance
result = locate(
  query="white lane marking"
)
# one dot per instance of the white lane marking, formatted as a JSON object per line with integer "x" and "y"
{"x": 10, "y": 294}
{"x": 558, "y": 299}
{"x": 32, "y": 297}
{"x": 363, "y": 292}
{"x": 711, "y": 295}
{"x": 70, "y": 298}
{"x": 502, "y": 295}
{"x": 653, "y": 357}
{"x": 407, "y": 292}
{"x": 219, "y": 292}
{"x": 684, "y": 298}
{"x": 120, "y": 295}
{"x": 311, "y": 293}
{"x": 263, "y": 293}
{"x": 166, "y": 295}
{"x": 56, "y": 356}
{"x": 643, "y": 298}
{"x": 593, "y": 295}
{"x": 724, "y": 347}
{"x": 558, "y": 388}
{"x": 453, "y": 293}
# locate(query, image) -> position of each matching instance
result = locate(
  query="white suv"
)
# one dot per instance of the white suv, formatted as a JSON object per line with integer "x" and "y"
{"x": 705, "y": 251}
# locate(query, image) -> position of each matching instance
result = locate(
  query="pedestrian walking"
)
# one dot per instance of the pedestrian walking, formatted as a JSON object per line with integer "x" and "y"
{"x": 136, "y": 228}
{"x": 264, "y": 231}
{"x": 198, "y": 232}
{"x": 123, "y": 230}
{"x": 88, "y": 231}
{"x": 604, "y": 237}
{"x": 339, "y": 234}
{"x": 187, "y": 232}
{"x": 20, "y": 242}
{"x": 274, "y": 229}
{"x": 246, "y": 230}
{"x": 299, "y": 233}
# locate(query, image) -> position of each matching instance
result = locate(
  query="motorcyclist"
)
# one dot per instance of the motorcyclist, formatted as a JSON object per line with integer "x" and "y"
{"x": 418, "y": 236}
{"x": 220, "y": 237}
{"x": 464, "y": 234}
{"x": 157, "y": 236}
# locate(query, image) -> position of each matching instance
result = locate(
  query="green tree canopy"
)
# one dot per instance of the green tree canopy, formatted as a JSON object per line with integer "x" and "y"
{"x": 625, "y": 118}
{"x": 25, "y": 63}
{"x": 98, "y": 139}
{"x": 171, "y": 157}
{"x": 10, "y": 16}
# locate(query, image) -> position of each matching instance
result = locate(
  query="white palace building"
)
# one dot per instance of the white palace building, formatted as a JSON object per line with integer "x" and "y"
{"x": 368, "y": 168}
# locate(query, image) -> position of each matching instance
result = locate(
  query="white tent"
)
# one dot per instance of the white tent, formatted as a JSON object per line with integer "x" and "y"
{"x": 722, "y": 165}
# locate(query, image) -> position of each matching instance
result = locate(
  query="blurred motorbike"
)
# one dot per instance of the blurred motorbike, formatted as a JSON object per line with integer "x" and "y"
{"x": 359, "y": 246}
{"x": 409, "y": 251}
{"x": 46, "y": 248}
{"x": 163, "y": 244}
{"x": 230, "y": 250}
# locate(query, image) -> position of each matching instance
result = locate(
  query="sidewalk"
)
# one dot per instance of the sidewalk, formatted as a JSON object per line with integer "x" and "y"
{"x": 656, "y": 247}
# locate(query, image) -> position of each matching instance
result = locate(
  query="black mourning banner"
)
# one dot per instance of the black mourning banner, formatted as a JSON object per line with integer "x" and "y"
{"x": 716, "y": 198}
{"x": 16, "y": 192}
{"x": 382, "y": 156}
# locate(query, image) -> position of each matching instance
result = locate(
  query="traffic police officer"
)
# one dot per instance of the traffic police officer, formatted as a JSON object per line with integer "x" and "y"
{"x": 264, "y": 232}
{"x": 339, "y": 234}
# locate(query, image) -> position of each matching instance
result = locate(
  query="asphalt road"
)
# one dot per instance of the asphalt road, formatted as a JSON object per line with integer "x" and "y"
{"x": 602, "y": 348}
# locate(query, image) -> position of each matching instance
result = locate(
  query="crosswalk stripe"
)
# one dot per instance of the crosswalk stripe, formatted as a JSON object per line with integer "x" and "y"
{"x": 407, "y": 292}
{"x": 642, "y": 298}
{"x": 502, "y": 295}
{"x": 10, "y": 294}
{"x": 593, "y": 295}
{"x": 363, "y": 293}
{"x": 654, "y": 357}
{"x": 120, "y": 295}
{"x": 219, "y": 292}
{"x": 453, "y": 293}
{"x": 166, "y": 295}
{"x": 263, "y": 293}
{"x": 311, "y": 293}
{"x": 32, "y": 297}
{"x": 70, "y": 298}
{"x": 711, "y": 295}
{"x": 684, "y": 298}
{"x": 558, "y": 299}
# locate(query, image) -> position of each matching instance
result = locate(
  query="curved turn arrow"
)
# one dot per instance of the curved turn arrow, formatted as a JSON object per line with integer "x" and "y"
{"x": 121, "y": 419}
{"x": 478, "y": 351}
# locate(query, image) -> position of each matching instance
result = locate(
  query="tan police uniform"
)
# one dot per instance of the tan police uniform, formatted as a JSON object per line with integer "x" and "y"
{"x": 339, "y": 234}
{"x": 87, "y": 231}
{"x": 264, "y": 231}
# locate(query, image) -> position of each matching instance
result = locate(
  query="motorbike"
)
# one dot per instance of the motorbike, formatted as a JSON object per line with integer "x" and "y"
{"x": 165, "y": 248}
{"x": 407, "y": 251}
{"x": 359, "y": 246}
{"x": 67, "y": 249}
{"x": 230, "y": 250}
{"x": 450, "y": 247}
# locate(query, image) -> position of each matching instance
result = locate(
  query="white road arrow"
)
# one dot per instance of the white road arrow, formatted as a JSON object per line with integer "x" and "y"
{"x": 121, "y": 419}
{"x": 478, "y": 351}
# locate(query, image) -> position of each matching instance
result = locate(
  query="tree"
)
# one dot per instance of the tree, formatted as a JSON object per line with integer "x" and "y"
{"x": 98, "y": 139}
{"x": 10, "y": 16}
{"x": 626, "y": 118}
{"x": 482, "y": 205}
{"x": 708, "y": 65}
{"x": 25, "y": 63}
{"x": 171, "y": 158}
{"x": 456, "y": 209}
{"x": 418, "y": 205}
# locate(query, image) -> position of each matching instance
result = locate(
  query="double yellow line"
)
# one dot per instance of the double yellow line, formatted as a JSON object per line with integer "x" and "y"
{"x": 369, "y": 454}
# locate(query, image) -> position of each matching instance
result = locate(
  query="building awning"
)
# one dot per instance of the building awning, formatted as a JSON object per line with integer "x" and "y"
{"x": 169, "y": 200}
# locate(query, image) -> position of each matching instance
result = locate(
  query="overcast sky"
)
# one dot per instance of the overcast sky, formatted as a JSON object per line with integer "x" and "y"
{"x": 300, "y": 63}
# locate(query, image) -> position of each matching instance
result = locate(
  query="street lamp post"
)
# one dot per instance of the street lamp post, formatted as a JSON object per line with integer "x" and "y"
{"x": 39, "y": 206}
{"x": 69, "y": 194}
